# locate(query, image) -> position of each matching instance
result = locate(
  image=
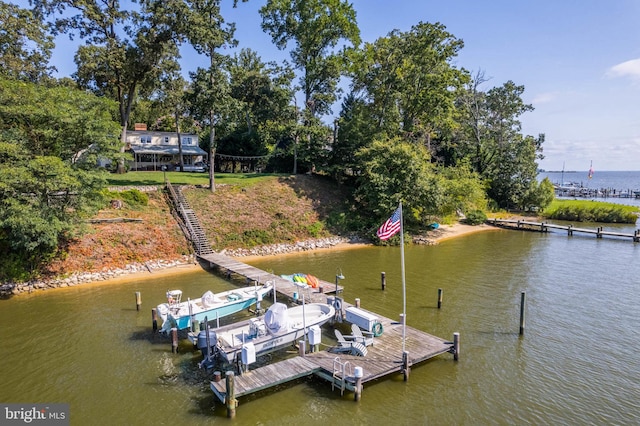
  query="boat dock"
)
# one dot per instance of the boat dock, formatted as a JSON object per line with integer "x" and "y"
{"x": 283, "y": 286}
{"x": 524, "y": 225}
{"x": 388, "y": 355}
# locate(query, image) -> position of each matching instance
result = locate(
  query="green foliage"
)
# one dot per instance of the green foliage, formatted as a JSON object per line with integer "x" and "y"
{"x": 25, "y": 44}
{"x": 591, "y": 211}
{"x": 315, "y": 229}
{"x": 475, "y": 217}
{"x": 131, "y": 197}
{"x": 463, "y": 190}
{"x": 539, "y": 196}
{"x": 256, "y": 237}
{"x": 394, "y": 171}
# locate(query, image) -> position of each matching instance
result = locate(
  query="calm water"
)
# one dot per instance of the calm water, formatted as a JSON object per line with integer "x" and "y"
{"x": 578, "y": 362}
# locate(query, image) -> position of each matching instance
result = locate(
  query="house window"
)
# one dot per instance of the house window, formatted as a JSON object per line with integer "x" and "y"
{"x": 187, "y": 141}
{"x": 166, "y": 140}
{"x": 145, "y": 139}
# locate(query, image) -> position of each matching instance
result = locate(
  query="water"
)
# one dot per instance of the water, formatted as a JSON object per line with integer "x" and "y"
{"x": 577, "y": 363}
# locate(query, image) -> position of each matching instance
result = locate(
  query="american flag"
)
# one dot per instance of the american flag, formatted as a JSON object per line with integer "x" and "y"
{"x": 391, "y": 226}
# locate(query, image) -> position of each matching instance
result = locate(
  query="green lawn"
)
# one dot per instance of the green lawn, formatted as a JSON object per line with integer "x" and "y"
{"x": 184, "y": 178}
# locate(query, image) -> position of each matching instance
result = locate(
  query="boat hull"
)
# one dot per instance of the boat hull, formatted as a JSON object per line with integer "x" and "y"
{"x": 231, "y": 338}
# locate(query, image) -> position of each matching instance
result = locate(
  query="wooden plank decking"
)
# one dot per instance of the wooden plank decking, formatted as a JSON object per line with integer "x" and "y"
{"x": 383, "y": 358}
{"x": 283, "y": 286}
{"x": 570, "y": 229}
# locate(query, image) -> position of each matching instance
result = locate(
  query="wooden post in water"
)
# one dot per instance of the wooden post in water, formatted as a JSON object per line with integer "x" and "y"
{"x": 358, "y": 372}
{"x": 230, "y": 400}
{"x": 456, "y": 346}
{"x": 383, "y": 279}
{"x": 599, "y": 232}
{"x": 405, "y": 365}
{"x": 138, "y": 300}
{"x": 439, "y": 298}
{"x": 570, "y": 230}
{"x": 357, "y": 302}
{"x": 522, "y": 299}
{"x": 174, "y": 340}
{"x": 154, "y": 319}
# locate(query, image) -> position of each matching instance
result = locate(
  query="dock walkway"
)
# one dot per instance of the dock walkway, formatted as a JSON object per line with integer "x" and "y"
{"x": 524, "y": 225}
{"x": 282, "y": 286}
{"x": 384, "y": 357}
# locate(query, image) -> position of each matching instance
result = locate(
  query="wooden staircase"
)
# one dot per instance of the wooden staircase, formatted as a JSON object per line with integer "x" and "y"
{"x": 189, "y": 221}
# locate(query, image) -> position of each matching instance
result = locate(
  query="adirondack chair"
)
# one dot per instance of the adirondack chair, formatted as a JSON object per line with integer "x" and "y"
{"x": 364, "y": 337}
{"x": 347, "y": 344}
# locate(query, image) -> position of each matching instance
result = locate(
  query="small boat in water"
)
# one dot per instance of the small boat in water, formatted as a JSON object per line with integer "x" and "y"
{"x": 179, "y": 314}
{"x": 280, "y": 326}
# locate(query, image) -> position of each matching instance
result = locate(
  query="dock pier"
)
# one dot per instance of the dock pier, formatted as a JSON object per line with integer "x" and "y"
{"x": 524, "y": 225}
{"x": 344, "y": 371}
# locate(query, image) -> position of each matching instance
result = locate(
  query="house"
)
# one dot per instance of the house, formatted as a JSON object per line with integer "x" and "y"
{"x": 152, "y": 150}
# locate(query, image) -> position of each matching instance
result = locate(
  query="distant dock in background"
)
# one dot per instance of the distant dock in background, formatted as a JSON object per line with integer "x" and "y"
{"x": 524, "y": 225}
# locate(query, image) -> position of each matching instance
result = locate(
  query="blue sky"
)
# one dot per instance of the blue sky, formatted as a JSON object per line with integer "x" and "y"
{"x": 579, "y": 61}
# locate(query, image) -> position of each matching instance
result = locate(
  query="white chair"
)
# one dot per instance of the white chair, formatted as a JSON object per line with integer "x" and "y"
{"x": 347, "y": 344}
{"x": 364, "y": 337}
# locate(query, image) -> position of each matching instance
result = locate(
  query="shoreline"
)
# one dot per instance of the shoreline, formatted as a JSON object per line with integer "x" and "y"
{"x": 163, "y": 268}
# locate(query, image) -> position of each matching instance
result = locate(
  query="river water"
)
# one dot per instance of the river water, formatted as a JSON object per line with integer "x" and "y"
{"x": 578, "y": 361}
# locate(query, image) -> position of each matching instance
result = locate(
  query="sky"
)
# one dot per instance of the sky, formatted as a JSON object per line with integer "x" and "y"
{"x": 578, "y": 60}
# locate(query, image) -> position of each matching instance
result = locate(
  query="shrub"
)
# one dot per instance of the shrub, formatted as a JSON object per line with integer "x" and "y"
{"x": 475, "y": 217}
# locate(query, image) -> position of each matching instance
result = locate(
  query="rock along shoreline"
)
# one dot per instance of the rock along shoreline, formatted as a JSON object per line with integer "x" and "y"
{"x": 151, "y": 266}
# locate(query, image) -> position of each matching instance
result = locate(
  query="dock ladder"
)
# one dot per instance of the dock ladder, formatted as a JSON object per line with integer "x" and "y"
{"x": 341, "y": 370}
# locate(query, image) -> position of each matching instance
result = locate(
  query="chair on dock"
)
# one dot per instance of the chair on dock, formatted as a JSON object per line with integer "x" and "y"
{"x": 347, "y": 344}
{"x": 364, "y": 337}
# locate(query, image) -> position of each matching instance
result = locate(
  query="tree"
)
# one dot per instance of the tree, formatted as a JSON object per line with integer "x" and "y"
{"x": 492, "y": 141}
{"x": 124, "y": 48}
{"x": 409, "y": 83}
{"x": 393, "y": 171}
{"x": 25, "y": 44}
{"x": 315, "y": 27}
{"x": 70, "y": 124}
{"x": 206, "y": 31}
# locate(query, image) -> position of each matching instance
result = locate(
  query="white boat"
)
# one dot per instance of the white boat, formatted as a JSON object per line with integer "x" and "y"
{"x": 278, "y": 327}
{"x": 179, "y": 314}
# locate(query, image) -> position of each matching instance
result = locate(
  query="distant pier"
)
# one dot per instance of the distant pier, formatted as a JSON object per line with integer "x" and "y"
{"x": 524, "y": 225}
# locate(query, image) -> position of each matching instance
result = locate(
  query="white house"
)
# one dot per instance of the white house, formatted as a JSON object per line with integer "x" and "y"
{"x": 152, "y": 150}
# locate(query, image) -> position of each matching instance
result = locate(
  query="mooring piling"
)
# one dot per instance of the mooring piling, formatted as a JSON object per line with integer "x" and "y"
{"x": 522, "y": 300}
{"x": 138, "y": 300}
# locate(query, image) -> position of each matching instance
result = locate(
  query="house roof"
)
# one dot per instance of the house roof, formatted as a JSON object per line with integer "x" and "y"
{"x": 167, "y": 149}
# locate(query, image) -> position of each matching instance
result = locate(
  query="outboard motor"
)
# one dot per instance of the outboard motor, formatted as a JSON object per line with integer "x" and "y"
{"x": 202, "y": 341}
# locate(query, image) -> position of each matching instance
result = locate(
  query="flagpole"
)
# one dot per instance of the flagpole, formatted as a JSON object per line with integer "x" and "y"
{"x": 404, "y": 293}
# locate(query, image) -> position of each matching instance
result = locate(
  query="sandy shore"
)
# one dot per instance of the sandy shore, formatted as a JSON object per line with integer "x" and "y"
{"x": 444, "y": 232}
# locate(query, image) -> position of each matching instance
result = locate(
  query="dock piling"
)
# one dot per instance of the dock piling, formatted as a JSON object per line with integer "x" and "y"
{"x": 174, "y": 340}
{"x": 138, "y": 300}
{"x": 230, "y": 402}
{"x": 439, "y": 298}
{"x": 154, "y": 319}
{"x": 358, "y": 302}
{"x": 358, "y": 372}
{"x": 522, "y": 300}
{"x": 456, "y": 346}
{"x": 383, "y": 279}
{"x": 405, "y": 365}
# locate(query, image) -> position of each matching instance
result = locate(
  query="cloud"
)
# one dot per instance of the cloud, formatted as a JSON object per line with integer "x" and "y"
{"x": 629, "y": 69}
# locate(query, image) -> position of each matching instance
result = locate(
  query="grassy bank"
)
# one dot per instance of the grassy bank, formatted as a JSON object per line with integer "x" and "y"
{"x": 591, "y": 211}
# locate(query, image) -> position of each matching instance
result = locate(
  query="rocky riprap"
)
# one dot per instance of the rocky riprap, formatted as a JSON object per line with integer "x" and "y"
{"x": 87, "y": 277}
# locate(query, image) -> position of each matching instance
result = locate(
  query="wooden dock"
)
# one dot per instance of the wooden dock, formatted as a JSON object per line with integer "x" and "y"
{"x": 524, "y": 225}
{"x": 283, "y": 287}
{"x": 344, "y": 371}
